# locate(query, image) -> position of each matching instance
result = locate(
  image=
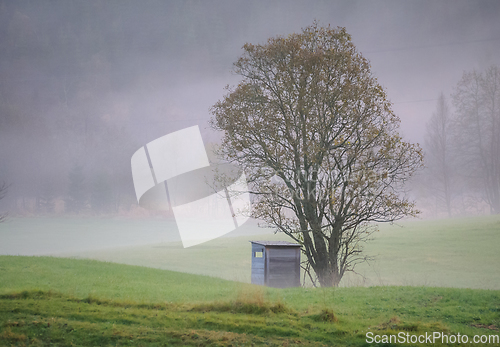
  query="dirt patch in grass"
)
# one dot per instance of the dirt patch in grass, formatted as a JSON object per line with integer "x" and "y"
{"x": 8, "y": 335}
{"x": 250, "y": 300}
{"x": 324, "y": 316}
{"x": 396, "y": 324}
{"x": 243, "y": 307}
{"x": 485, "y": 326}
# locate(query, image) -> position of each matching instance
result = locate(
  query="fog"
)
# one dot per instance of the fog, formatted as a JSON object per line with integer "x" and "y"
{"x": 84, "y": 84}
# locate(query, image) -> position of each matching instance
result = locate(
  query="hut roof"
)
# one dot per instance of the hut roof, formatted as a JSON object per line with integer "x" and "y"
{"x": 276, "y": 243}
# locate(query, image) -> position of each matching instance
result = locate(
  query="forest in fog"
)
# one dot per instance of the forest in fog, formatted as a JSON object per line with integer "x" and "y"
{"x": 462, "y": 146}
{"x": 84, "y": 84}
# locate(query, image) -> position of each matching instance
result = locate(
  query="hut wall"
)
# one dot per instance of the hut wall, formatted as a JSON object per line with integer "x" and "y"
{"x": 258, "y": 264}
{"x": 282, "y": 267}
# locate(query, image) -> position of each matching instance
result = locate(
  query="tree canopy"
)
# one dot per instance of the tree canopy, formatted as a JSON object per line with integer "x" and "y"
{"x": 318, "y": 141}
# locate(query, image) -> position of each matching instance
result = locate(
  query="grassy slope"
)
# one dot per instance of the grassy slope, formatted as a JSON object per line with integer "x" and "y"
{"x": 227, "y": 258}
{"x": 87, "y": 302}
{"x": 48, "y": 235}
{"x": 460, "y": 253}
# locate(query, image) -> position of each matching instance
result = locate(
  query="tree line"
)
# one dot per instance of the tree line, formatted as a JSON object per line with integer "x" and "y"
{"x": 462, "y": 146}
{"x": 76, "y": 84}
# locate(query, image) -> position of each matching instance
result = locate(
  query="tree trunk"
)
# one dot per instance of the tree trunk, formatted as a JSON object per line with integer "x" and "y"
{"x": 328, "y": 276}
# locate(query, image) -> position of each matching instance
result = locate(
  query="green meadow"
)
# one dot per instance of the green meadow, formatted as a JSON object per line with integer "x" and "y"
{"x": 459, "y": 253}
{"x": 61, "y": 302}
{"x": 427, "y": 276}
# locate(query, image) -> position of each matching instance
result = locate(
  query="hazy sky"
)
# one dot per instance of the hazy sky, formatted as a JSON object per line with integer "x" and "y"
{"x": 417, "y": 49}
{"x": 70, "y": 69}
{"x": 90, "y": 82}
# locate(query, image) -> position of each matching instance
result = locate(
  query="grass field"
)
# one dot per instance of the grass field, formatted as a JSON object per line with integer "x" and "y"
{"x": 74, "y": 300}
{"x": 461, "y": 253}
{"x": 62, "y": 302}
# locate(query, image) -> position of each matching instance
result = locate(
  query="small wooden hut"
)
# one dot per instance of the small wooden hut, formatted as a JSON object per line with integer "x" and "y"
{"x": 276, "y": 263}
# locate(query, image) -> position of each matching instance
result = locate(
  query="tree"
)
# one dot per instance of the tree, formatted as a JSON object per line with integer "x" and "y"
{"x": 76, "y": 200}
{"x": 3, "y": 193}
{"x": 439, "y": 160}
{"x": 46, "y": 197}
{"x": 101, "y": 195}
{"x": 477, "y": 103}
{"x": 317, "y": 139}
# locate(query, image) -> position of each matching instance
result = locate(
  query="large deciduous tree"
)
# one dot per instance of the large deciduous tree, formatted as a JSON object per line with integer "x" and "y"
{"x": 477, "y": 103}
{"x": 318, "y": 141}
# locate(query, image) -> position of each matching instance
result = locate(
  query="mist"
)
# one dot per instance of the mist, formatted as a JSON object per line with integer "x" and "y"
{"x": 84, "y": 84}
